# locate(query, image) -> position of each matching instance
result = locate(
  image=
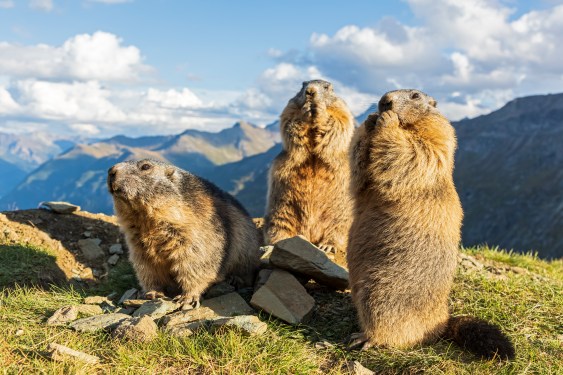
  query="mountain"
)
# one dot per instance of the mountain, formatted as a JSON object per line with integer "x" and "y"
{"x": 79, "y": 174}
{"x": 28, "y": 151}
{"x": 509, "y": 173}
{"x": 11, "y": 176}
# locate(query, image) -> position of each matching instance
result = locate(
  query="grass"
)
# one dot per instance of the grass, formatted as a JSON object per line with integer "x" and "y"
{"x": 529, "y": 308}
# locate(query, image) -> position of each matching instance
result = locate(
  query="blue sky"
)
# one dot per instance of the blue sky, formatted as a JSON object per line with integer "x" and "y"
{"x": 142, "y": 67}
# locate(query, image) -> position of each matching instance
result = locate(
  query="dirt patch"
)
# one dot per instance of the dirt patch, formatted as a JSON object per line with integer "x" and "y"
{"x": 59, "y": 234}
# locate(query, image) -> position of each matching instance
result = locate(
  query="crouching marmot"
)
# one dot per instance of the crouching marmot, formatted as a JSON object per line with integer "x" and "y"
{"x": 309, "y": 180}
{"x": 184, "y": 233}
{"x": 404, "y": 240}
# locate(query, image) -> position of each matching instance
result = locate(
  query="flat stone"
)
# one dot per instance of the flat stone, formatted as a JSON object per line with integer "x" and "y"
{"x": 134, "y": 302}
{"x": 188, "y": 316}
{"x": 261, "y": 278}
{"x": 298, "y": 255}
{"x": 228, "y": 305}
{"x": 61, "y": 353}
{"x": 248, "y": 324}
{"x": 90, "y": 248}
{"x": 59, "y": 207}
{"x": 127, "y": 295}
{"x": 127, "y": 310}
{"x": 112, "y": 260}
{"x": 141, "y": 329}
{"x": 284, "y": 297}
{"x": 156, "y": 308}
{"x": 116, "y": 248}
{"x": 63, "y": 315}
{"x": 186, "y": 329}
{"x": 94, "y": 323}
{"x": 219, "y": 289}
{"x": 89, "y": 310}
{"x": 356, "y": 368}
{"x": 96, "y": 300}
{"x": 265, "y": 254}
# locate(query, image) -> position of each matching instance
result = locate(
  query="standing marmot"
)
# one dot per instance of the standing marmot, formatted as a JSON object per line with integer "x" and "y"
{"x": 184, "y": 233}
{"x": 309, "y": 180}
{"x": 404, "y": 240}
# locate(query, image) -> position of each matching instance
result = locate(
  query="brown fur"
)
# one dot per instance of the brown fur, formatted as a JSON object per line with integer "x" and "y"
{"x": 184, "y": 234}
{"x": 404, "y": 240}
{"x": 309, "y": 180}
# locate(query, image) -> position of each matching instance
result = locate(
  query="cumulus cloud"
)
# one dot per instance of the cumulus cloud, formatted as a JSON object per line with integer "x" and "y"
{"x": 7, "y": 103}
{"x": 44, "y": 5}
{"x": 474, "y": 47}
{"x": 98, "y": 56}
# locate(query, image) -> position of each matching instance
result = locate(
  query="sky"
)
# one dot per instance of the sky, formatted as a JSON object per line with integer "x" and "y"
{"x": 140, "y": 67}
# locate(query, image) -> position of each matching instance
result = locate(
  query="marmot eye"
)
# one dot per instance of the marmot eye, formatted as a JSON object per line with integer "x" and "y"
{"x": 146, "y": 167}
{"x": 416, "y": 95}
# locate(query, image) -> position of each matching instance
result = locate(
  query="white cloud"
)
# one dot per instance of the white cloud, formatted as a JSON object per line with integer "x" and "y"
{"x": 7, "y": 103}
{"x": 85, "y": 129}
{"x": 7, "y": 4}
{"x": 98, "y": 56}
{"x": 174, "y": 99}
{"x": 44, "y": 5}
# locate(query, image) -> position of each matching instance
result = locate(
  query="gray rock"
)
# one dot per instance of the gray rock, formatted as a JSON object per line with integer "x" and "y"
{"x": 186, "y": 329}
{"x": 116, "y": 248}
{"x": 112, "y": 260}
{"x": 249, "y": 324}
{"x": 156, "y": 308}
{"x": 187, "y": 316}
{"x": 59, "y": 207}
{"x": 94, "y": 323}
{"x": 228, "y": 305}
{"x": 141, "y": 329}
{"x": 134, "y": 302}
{"x": 219, "y": 289}
{"x": 126, "y": 310}
{"x": 265, "y": 253}
{"x": 63, "y": 315}
{"x": 60, "y": 353}
{"x": 261, "y": 278}
{"x": 89, "y": 310}
{"x": 128, "y": 294}
{"x": 284, "y": 297}
{"x": 87, "y": 234}
{"x": 298, "y": 255}
{"x": 90, "y": 248}
{"x": 356, "y": 368}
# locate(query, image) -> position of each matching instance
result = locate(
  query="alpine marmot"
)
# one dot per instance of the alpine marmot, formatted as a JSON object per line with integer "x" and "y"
{"x": 309, "y": 181}
{"x": 184, "y": 234}
{"x": 405, "y": 237}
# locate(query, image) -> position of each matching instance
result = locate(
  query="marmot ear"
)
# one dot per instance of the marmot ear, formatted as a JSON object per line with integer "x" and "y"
{"x": 433, "y": 103}
{"x": 170, "y": 171}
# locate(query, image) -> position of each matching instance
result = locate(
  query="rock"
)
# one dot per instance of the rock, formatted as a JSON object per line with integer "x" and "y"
{"x": 299, "y": 255}
{"x": 61, "y": 353}
{"x": 127, "y": 295}
{"x": 94, "y": 323}
{"x": 89, "y": 310}
{"x": 116, "y": 248}
{"x": 90, "y": 248}
{"x": 249, "y": 324}
{"x": 356, "y": 368}
{"x": 186, "y": 329}
{"x": 261, "y": 278}
{"x": 87, "y": 234}
{"x": 142, "y": 329}
{"x": 187, "y": 316}
{"x": 134, "y": 302}
{"x": 469, "y": 262}
{"x": 127, "y": 310}
{"x": 284, "y": 297}
{"x": 63, "y": 315}
{"x": 112, "y": 260}
{"x": 266, "y": 252}
{"x": 219, "y": 289}
{"x": 156, "y": 308}
{"x": 323, "y": 345}
{"x": 19, "y": 332}
{"x": 59, "y": 207}
{"x": 228, "y": 305}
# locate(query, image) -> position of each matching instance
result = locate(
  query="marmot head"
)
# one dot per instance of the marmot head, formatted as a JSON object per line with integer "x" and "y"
{"x": 409, "y": 105}
{"x": 142, "y": 181}
{"x": 314, "y": 97}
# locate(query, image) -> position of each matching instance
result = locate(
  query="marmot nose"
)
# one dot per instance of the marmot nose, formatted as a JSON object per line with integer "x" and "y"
{"x": 310, "y": 92}
{"x": 385, "y": 103}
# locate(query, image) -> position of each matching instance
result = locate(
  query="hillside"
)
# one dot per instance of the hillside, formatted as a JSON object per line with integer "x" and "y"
{"x": 518, "y": 292}
{"x": 509, "y": 173}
